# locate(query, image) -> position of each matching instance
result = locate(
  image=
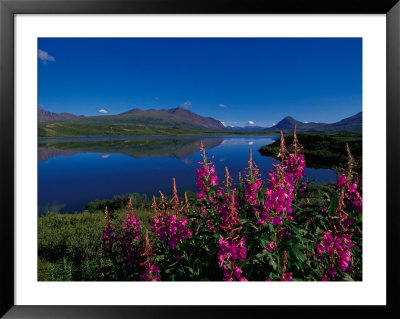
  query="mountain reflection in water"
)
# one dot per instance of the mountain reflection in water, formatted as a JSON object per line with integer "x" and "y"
{"x": 174, "y": 148}
{"x": 75, "y": 171}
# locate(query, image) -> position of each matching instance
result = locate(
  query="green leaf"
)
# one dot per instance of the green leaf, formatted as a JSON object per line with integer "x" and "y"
{"x": 347, "y": 277}
{"x": 299, "y": 255}
{"x": 272, "y": 262}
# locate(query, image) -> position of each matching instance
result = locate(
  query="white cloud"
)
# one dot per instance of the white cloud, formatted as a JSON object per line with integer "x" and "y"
{"x": 44, "y": 57}
{"x": 251, "y": 122}
{"x": 223, "y": 123}
{"x": 306, "y": 122}
{"x": 102, "y": 111}
{"x": 223, "y": 106}
{"x": 187, "y": 104}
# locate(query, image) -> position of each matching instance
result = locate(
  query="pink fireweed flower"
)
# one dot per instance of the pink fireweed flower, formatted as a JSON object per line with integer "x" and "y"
{"x": 349, "y": 183}
{"x": 132, "y": 227}
{"x": 341, "y": 181}
{"x": 131, "y": 233}
{"x": 336, "y": 249}
{"x": 278, "y": 197}
{"x": 108, "y": 239}
{"x": 287, "y": 277}
{"x": 351, "y": 192}
{"x": 295, "y": 166}
{"x": 151, "y": 274}
{"x": 270, "y": 247}
{"x": 250, "y": 192}
{"x": 170, "y": 229}
{"x": 157, "y": 227}
{"x": 231, "y": 250}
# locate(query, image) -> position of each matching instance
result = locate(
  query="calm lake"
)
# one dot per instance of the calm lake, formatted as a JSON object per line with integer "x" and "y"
{"x": 75, "y": 171}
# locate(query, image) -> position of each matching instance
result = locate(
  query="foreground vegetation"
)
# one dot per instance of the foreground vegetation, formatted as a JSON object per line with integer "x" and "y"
{"x": 281, "y": 229}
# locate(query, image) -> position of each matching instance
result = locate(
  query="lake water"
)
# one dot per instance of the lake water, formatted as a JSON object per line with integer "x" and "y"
{"x": 75, "y": 171}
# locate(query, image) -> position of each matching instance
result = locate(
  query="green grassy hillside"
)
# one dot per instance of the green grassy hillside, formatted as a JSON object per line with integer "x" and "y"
{"x": 69, "y": 129}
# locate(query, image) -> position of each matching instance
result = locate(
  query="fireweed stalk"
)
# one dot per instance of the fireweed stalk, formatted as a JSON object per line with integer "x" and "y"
{"x": 285, "y": 276}
{"x": 252, "y": 184}
{"x": 279, "y": 193}
{"x": 279, "y": 196}
{"x": 334, "y": 250}
{"x": 349, "y": 183}
{"x": 232, "y": 248}
{"x": 109, "y": 236}
{"x": 131, "y": 233}
{"x": 151, "y": 272}
{"x": 295, "y": 162}
{"x": 206, "y": 176}
{"x": 224, "y": 206}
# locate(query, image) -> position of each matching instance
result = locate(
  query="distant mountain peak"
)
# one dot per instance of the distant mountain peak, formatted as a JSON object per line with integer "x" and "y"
{"x": 289, "y": 118}
{"x": 46, "y": 116}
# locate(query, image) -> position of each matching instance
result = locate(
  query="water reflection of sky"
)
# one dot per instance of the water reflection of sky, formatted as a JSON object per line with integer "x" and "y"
{"x": 68, "y": 182}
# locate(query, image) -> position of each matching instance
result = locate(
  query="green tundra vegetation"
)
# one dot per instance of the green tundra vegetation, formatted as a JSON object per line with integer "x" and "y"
{"x": 69, "y": 244}
{"x": 67, "y": 129}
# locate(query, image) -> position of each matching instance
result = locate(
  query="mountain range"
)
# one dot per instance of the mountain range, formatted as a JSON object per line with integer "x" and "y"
{"x": 352, "y": 123}
{"x": 174, "y": 118}
{"x": 167, "y": 122}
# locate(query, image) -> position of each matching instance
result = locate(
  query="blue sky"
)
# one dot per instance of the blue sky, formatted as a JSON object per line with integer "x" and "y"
{"x": 237, "y": 80}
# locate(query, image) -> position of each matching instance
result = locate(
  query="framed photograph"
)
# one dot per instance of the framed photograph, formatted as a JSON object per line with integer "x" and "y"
{"x": 187, "y": 159}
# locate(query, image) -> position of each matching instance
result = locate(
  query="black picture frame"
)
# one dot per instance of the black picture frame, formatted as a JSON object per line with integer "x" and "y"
{"x": 8, "y": 8}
